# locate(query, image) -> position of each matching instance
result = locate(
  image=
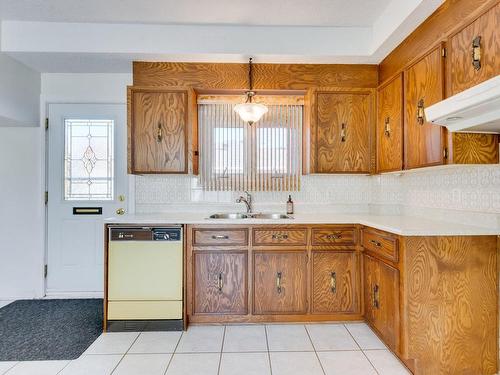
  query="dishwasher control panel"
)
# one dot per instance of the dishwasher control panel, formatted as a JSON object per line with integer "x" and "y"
{"x": 145, "y": 234}
{"x": 167, "y": 234}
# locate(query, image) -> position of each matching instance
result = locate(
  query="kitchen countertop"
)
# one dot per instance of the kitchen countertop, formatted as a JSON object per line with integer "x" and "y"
{"x": 401, "y": 225}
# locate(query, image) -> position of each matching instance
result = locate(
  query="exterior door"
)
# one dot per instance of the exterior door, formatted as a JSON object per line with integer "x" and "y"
{"x": 334, "y": 282}
{"x": 280, "y": 282}
{"x": 220, "y": 282}
{"x": 87, "y": 181}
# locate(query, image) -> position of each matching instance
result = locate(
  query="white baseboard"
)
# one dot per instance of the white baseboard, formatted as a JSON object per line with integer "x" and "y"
{"x": 66, "y": 295}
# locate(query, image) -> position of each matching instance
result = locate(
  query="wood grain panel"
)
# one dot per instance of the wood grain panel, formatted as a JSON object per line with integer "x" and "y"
{"x": 333, "y": 236}
{"x": 266, "y": 237}
{"x": 390, "y": 126}
{"x": 216, "y": 236}
{"x": 472, "y": 148}
{"x": 158, "y": 133}
{"x": 289, "y": 294}
{"x": 381, "y": 244}
{"x": 334, "y": 286}
{"x": 462, "y": 73}
{"x": 448, "y": 18}
{"x": 451, "y": 304}
{"x": 220, "y": 285}
{"x": 266, "y": 76}
{"x": 423, "y": 142}
{"x": 342, "y": 132}
{"x": 370, "y": 277}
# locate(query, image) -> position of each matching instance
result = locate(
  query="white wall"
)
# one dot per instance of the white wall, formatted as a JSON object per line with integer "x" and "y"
{"x": 21, "y": 213}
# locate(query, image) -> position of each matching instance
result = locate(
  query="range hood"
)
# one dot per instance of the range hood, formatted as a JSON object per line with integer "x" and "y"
{"x": 475, "y": 110}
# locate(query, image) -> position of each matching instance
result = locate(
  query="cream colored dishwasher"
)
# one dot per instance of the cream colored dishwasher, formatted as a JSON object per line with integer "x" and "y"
{"x": 145, "y": 273}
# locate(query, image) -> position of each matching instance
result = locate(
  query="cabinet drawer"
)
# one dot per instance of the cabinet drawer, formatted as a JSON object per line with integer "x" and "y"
{"x": 333, "y": 236}
{"x": 279, "y": 237}
{"x": 382, "y": 244}
{"x": 208, "y": 237}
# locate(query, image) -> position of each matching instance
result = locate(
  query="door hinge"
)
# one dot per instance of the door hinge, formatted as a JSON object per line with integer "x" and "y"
{"x": 46, "y": 123}
{"x": 445, "y": 153}
{"x": 46, "y": 197}
{"x": 45, "y": 270}
{"x": 443, "y": 52}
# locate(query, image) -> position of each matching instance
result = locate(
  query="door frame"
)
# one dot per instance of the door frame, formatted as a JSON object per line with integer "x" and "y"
{"x": 45, "y": 103}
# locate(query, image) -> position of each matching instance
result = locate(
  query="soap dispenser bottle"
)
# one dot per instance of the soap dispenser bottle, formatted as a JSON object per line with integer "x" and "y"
{"x": 289, "y": 206}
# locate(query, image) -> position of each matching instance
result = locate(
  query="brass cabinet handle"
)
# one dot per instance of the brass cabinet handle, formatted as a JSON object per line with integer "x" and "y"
{"x": 279, "y": 236}
{"x": 376, "y": 243}
{"x": 420, "y": 112}
{"x": 220, "y": 283}
{"x": 375, "y": 296}
{"x": 343, "y": 134}
{"x": 333, "y": 282}
{"x": 120, "y": 211}
{"x": 220, "y": 237}
{"x": 278, "y": 282}
{"x": 159, "y": 133}
{"x": 334, "y": 236}
{"x": 387, "y": 127}
{"x": 476, "y": 52}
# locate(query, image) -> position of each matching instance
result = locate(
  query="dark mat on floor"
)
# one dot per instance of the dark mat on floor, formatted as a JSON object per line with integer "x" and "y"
{"x": 49, "y": 329}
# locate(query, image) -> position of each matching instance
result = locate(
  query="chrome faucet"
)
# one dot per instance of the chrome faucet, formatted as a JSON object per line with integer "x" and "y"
{"x": 247, "y": 200}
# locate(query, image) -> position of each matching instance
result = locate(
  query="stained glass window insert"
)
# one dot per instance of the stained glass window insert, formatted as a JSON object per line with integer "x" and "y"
{"x": 88, "y": 159}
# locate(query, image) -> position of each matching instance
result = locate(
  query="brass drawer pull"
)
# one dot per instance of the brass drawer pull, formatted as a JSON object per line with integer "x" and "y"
{"x": 376, "y": 243}
{"x": 159, "y": 133}
{"x": 343, "y": 134}
{"x": 420, "y": 112}
{"x": 387, "y": 127}
{"x": 280, "y": 236}
{"x": 375, "y": 301}
{"x": 476, "y": 52}
{"x": 333, "y": 282}
{"x": 220, "y": 237}
{"x": 220, "y": 283}
{"x": 334, "y": 236}
{"x": 278, "y": 282}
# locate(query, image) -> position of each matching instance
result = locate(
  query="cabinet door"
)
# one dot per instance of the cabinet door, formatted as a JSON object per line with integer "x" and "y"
{"x": 280, "y": 282}
{"x": 474, "y": 52}
{"x": 157, "y": 131}
{"x": 220, "y": 282}
{"x": 334, "y": 282}
{"x": 424, "y": 87}
{"x": 390, "y": 126}
{"x": 370, "y": 278}
{"x": 343, "y": 132}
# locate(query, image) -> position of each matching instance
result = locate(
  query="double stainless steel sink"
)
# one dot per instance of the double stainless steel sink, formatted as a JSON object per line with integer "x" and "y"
{"x": 233, "y": 216}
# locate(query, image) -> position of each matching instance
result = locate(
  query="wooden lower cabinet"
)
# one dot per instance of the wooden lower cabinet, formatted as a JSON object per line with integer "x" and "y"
{"x": 220, "y": 282}
{"x": 381, "y": 295}
{"x": 334, "y": 282}
{"x": 280, "y": 282}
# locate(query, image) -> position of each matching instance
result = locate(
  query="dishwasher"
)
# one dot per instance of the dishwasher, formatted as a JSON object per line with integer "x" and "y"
{"x": 144, "y": 278}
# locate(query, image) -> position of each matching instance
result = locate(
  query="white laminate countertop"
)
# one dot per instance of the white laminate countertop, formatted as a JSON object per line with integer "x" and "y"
{"x": 401, "y": 225}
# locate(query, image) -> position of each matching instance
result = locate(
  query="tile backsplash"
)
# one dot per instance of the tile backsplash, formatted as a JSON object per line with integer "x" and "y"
{"x": 464, "y": 193}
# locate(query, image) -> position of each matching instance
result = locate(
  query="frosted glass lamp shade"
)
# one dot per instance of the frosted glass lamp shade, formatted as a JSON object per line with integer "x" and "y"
{"x": 250, "y": 112}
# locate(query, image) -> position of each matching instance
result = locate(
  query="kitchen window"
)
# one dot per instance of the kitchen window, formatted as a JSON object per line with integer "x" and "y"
{"x": 265, "y": 156}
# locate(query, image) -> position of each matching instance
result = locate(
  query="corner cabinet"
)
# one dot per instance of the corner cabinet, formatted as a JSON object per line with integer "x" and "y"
{"x": 342, "y": 131}
{"x": 157, "y": 130}
{"x": 424, "y": 86}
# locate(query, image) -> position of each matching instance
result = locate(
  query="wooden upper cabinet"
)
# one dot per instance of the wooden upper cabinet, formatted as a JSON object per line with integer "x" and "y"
{"x": 220, "y": 282}
{"x": 157, "y": 130}
{"x": 341, "y": 135}
{"x": 474, "y": 52}
{"x": 424, "y": 84}
{"x": 280, "y": 282}
{"x": 334, "y": 282}
{"x": 390, "y": 126}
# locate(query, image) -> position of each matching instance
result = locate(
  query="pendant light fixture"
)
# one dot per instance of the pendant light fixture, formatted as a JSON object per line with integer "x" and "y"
{"x": 250, "y": 112}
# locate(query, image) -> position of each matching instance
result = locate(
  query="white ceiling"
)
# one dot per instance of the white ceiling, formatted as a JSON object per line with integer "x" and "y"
{"x": 229, "y": 12}
{"x": 105, "y": 36}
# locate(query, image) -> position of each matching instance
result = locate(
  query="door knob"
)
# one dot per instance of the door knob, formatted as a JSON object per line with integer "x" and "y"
{"x": 120, "y": 211}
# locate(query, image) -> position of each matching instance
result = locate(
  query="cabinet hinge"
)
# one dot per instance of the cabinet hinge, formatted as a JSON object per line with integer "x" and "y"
{"x": 46, "y": 123}
{"x": 46, "y": 197}
{"x": 443, "y": 52}
{"x": 445, "y": 153}
{"x": 45, "y": 270}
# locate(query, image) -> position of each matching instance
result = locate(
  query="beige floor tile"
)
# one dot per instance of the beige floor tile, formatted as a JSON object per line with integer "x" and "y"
{"x": 194, "y": 364}
{"x": 386, "y": 363}
{"x": 346, "y": 363}
{"x": 6, "y": 365}
{"x": 156, "y": 342}
{"x": 245, "y": 338}
{"x": 288, "y": 338}
{"x": 38, "y": 368}
{"x": 331, "y": 337}
{"x": 245, "y": 364}
{"x": 364, "y": 336}
{"x": 143, "y": 364}
{"x": 112, "y": 343}
{"x": 92, "y": 364}
{"x": 201, "y": 339}
{"x": 295, "y": 363}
